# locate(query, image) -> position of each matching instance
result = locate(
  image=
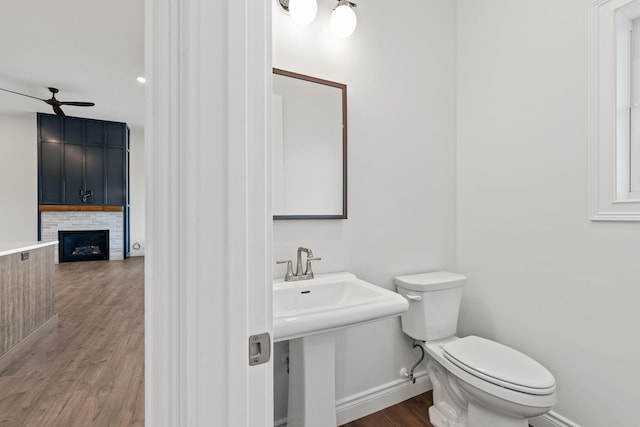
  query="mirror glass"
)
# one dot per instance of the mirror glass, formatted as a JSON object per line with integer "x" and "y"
{"x": 309, "y": 147}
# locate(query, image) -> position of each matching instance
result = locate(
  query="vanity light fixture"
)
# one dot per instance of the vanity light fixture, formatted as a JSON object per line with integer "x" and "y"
{"x": 301, "y": 11}
{"x": 343, "y": 19}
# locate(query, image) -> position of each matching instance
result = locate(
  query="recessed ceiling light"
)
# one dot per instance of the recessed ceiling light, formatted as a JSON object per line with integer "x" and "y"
{"x": 141, "y": 79}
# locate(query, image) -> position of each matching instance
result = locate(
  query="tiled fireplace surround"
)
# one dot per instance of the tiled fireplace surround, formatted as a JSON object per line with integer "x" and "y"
{"x": 51, "y": 222}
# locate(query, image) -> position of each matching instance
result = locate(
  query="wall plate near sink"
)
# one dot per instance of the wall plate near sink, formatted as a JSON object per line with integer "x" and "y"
{"x": 306, "y": 313}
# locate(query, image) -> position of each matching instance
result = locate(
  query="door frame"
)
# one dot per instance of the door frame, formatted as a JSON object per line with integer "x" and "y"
{"x": 208, "y": 214}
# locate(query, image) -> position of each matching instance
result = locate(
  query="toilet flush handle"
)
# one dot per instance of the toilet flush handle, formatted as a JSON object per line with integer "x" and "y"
{"x": 413, "y": 297}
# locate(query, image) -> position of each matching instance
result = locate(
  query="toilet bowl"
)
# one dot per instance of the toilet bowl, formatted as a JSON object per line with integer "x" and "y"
{"x": 476, "y": 382}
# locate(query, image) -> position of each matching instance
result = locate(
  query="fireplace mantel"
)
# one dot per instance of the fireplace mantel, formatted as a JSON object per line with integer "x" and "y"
{"x": 79, "y": 208}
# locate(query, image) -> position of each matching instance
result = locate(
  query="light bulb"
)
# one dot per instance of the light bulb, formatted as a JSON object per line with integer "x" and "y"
{"x": 303, "y": 11}
{"x": 343, "y": 20}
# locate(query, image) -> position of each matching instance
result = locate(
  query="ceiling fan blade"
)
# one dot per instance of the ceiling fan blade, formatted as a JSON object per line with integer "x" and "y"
{"x": 78, "y": 104}
{"x": 58, "y": 110}
{"x": 23, "y": 94}
{"x": 53, "y": 101}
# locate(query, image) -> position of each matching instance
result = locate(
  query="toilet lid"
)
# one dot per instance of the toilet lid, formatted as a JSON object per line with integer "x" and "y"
{"x": 500, "y": 365}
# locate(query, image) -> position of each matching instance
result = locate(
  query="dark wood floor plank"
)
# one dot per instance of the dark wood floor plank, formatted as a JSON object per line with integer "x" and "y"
{"x": 377, "y": 419}
{"x": 418, "y": 407}
{"x": 410, "y": 413}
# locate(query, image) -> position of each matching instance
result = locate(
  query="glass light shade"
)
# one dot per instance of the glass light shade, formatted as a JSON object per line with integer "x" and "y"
{"x": 303, "y": 11}
{"x": 343, "y": 21}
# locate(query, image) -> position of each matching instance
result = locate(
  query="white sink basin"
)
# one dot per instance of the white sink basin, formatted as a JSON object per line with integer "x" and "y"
{"x": 329, "y": 302}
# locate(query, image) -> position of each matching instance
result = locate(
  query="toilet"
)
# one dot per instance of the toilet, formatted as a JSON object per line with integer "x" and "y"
{"x": 476, "y": 382}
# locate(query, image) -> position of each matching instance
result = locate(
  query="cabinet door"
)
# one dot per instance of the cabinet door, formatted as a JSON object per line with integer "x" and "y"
{"x": 115, "y": 134}
{"x": 51, "y": 178}
{"x": 115, "y": 176}
{"x": 50, "y": 127}
{"x": 94, "y": 132}
{"x": 73, "y": 174}
{"x": 73, "y": 130}
{"x": 115, "y": 141}
{"x": 94, "y": 174}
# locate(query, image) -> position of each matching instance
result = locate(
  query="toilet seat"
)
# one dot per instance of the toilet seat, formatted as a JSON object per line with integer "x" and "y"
{"x": 499, "y": 365}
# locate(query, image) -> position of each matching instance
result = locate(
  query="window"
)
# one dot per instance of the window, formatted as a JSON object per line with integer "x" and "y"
{"x": 614, "y": 108}
{"x": 634, "y": 110}
{"x": 628, "y": 102}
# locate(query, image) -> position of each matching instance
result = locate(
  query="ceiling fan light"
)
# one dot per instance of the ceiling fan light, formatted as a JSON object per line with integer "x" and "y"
{"x": 303, "y": 11}
{"x": 343, "y": 19}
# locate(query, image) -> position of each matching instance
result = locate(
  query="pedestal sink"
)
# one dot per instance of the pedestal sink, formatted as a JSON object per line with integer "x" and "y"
{"x": 306, "y": 313}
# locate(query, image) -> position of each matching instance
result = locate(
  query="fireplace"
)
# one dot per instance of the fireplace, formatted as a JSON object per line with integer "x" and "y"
{"x": 53, "y": 221}
{"x": 83, "y": 245}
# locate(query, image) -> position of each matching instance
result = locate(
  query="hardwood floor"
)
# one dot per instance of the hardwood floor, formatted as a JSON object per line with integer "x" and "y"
{"x": 410, "y": 413}
{"x": 90, "y": 370}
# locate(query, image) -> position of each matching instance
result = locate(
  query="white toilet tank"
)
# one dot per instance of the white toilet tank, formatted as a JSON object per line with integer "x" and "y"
{"x": 434, "y": 302}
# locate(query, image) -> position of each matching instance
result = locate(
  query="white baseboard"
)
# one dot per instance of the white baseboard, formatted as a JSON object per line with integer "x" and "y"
{"x": 552, "y": 419}
{"x": 373, "y": 400}
{"x": 376, "y": 399}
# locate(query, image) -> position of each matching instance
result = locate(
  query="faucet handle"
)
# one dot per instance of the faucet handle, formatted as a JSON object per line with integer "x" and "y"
{"x": 289, "y": 274}
{"x": 309, "y": 272}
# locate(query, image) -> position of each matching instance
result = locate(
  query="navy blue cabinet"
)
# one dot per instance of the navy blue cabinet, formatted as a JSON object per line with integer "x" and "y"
{"x": 50, "y": 165}
{"x": 82, "y": 161}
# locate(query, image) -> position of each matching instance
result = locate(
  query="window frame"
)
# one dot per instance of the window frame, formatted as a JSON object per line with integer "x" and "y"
{"x": 610, "y": 198}
{"x": 634, "y": 103}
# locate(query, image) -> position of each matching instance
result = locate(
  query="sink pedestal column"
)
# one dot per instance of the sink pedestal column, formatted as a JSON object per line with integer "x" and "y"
{"x": 312, "y": 389}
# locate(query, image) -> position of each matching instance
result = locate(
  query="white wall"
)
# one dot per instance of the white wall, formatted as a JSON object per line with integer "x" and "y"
{"x": 542, "y": 277}
{"x": 137, "y": 186}
{"x": 18, "y": 178}
{"x": 399, "y": 67}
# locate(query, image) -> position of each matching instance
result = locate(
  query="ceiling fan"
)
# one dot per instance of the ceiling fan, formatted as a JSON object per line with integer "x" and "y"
{"x": 54, "y": 102}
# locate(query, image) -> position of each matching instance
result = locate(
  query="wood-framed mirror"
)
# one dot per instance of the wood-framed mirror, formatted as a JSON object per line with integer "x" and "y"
{"x": 309, "y": 147}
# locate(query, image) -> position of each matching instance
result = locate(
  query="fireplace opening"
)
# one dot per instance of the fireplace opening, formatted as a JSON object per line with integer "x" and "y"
{"x": 84, "y": 245}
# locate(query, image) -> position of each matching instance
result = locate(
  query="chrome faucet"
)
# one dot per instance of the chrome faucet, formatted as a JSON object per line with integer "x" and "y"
{"x": 299, "y": 275}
